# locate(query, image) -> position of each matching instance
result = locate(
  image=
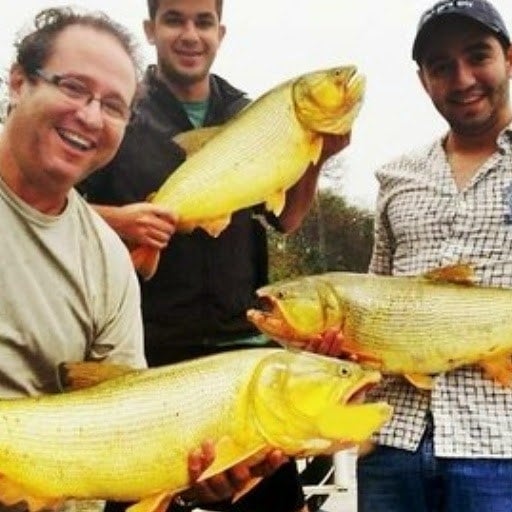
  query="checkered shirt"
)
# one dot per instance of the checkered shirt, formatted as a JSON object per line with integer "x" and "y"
{"x": 423, "y": 221}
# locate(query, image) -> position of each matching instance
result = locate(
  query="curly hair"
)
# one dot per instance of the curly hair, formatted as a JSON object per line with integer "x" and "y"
{"x": 34, "y": 48}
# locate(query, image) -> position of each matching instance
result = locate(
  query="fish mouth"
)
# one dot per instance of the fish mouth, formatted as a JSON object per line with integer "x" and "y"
{"x": 269, "y": 319}
{"x": 356, "y": 394}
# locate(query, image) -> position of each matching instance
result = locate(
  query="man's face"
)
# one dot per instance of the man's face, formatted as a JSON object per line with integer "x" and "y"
{"x": 186, "y": 34}
{"x": 58, "y": 140}
{"x": 466, "y": 74}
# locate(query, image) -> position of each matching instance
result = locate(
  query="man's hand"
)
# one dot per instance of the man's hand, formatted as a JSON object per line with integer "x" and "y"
{"x": 224, "y": 485}
{"x": 140, "y": 223}
{"x": 329, "y": 343}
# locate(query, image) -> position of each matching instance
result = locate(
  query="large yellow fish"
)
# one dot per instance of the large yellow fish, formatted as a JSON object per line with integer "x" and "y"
{"x": 415, "y": 326}
{"x": 128, "y": 438}
{"x": 258, "y": 155}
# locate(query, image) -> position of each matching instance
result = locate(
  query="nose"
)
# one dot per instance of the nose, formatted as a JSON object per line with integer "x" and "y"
{"x": 463, "y": 75}
{"x": 90, "y": 113}
{"x": 189, "y": 30}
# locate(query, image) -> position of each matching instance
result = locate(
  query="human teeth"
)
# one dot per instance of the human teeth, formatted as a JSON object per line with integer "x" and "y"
{"x": 75, "y": 139}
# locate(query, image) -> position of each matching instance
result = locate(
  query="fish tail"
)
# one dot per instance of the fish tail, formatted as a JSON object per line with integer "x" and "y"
{"x": 145, "y": 260}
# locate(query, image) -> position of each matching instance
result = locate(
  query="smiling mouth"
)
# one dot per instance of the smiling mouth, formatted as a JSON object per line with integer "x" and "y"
{"x": 75, "y": 140}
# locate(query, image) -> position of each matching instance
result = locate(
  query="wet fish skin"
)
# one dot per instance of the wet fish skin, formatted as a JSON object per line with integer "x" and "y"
{"x": 415, "y": 326}
{"x": 128, "y": 438}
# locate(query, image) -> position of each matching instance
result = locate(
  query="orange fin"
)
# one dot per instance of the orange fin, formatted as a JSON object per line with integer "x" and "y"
{"x": 275, "y": 203}
{"x": 317, "y": 144}
{"x": 89, "y": 373}
{"x": 420, "y": 381}
{"x": 249, "y": 486}
{"x": 12, "y": 493}
{"x": 460, "y": 273}
{"x": 145, "y": 260}
{"x": 193, "y": 140}
{"x": 216, "y": 226}
{"x": 499, "y": 368}
{"x": 155, "y": 503}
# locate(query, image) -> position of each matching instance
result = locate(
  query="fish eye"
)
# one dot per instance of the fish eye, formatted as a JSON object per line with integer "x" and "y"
{"x": 343, "y": 371}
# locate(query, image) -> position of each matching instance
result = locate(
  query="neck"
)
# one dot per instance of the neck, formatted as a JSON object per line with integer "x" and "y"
{"x": 44, "y": 201}
{"x": 194, "y": 91}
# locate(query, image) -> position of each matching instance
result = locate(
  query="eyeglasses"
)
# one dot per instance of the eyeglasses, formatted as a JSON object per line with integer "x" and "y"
{"x": 113, "y": 108}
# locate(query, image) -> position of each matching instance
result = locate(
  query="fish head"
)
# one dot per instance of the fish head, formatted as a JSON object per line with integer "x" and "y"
{"x": 293, "y": 311}
{"x": 308, "y": 404}
{"x": 328, "y": 101}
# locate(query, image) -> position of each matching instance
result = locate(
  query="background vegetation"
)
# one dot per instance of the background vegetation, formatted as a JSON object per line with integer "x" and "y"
{"x": 334, "y": 236}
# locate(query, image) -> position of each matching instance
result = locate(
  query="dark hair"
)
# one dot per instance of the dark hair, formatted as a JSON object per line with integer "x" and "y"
{"x": 154, "y": 4}
{"x": 34, "y": 49}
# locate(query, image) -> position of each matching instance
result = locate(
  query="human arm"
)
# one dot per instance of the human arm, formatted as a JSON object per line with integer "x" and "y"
{"x": 300, "y": 197}
{"x": 140, "y": 223}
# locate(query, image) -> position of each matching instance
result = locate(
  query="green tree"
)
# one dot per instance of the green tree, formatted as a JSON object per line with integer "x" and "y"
{"x": 333, "y": 236}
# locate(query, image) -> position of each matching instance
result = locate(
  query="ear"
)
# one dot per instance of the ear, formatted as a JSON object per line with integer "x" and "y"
{"x": 149, "y": 30}
{"x": 421, "y": 75}
{"x": 222, "y": 32}
{"x": 508, "y": 56}
{"x": 17, "y": 80}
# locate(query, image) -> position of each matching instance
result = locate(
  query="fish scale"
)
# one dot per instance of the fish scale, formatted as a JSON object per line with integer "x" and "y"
{"x": 128, "y": 438}
{"x": 256, "y": 156}
{"x": 406, "y": 325}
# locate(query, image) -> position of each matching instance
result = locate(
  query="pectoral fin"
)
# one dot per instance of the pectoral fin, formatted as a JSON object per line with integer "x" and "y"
{"x": 155, "y": 503}
{"x": 145, "y": 260}
{"x": 89, "y": 373}
{"x": 317, "y": 145}
{"x": 12, "y": 493}
{"x": 499, "y": 369}
{"x": 420, "y": 381}
{"x": 275, "y": 203}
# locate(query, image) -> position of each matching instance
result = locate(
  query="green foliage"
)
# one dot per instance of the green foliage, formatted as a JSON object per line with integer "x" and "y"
{"x": 333, "y": 236}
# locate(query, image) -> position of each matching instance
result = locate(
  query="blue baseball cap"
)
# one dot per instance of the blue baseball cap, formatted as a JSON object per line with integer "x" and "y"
{"x": 480, "y": 11}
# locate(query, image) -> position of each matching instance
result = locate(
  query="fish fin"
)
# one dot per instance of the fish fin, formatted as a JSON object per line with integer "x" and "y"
{"x": 499, "y": 368}
{"x": 275, "y": 203}
{"x": 249, "y": 486}
{"x": 145, "y": 260}
{"x": 85, "y": 374}
{"x": 353, "y": 423}
{"x": 217, "y": 226}
{"x": 12, "y": 493}
{"x": 317, "y": 145}
{"x": 229, "y": 453}
{"x": 420, "y": 381}
{"x": 193, "y": 140}
{"x": 154, "y": 503}
{"x": 460, "y": 273}
{"x": 150, "y": 197}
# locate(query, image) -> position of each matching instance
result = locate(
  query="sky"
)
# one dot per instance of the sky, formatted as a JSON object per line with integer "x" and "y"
{"x": 268, "y": 41}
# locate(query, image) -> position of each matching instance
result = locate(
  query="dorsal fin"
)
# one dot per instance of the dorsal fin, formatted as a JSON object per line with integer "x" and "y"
{"x": 193, "y": 140}
{"x": 460, "y": 273}
{"x": 85, "y": 374}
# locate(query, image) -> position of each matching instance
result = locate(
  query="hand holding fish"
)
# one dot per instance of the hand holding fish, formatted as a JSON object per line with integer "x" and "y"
{"x": 223, "y": 486}
{"x": 141, "y": 223}
{"x": 328, "y": 343}
{"x": 300, "y": 196}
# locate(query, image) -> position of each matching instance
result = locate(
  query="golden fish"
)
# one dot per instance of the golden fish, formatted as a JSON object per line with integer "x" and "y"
{"x": 258, "y": 155}
{"x": 128, "y": 438}
{"x": 415, "y": 326}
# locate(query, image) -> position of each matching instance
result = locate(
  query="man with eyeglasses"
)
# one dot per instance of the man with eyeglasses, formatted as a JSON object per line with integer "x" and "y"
{"x": 68, "y": 288}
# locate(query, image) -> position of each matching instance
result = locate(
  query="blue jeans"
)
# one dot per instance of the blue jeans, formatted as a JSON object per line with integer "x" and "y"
{"x": 393, "y": 480}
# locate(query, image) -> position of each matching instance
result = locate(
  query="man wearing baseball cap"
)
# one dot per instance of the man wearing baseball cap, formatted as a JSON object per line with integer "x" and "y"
{"x": 448, "y": 447}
